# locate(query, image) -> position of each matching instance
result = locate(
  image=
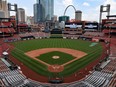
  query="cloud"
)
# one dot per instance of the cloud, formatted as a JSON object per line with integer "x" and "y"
{"x": 61, "y": 5}
{"x": 86, "y": 4}
{"x": 35, "y": 1}
{"x": 90, "y": 13}
{"x": 93, "y": 13}
{"x": 113, "y": 5}
{"x": 67, "y": 2}
{"x": 90, "y": 16}
{"x": 91, "y": 0}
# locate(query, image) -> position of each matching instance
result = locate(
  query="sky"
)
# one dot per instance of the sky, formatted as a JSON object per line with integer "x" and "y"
{"x": 90, "y": 8}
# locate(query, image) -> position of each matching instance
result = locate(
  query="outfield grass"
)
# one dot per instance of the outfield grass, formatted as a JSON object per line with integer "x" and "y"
{"x": 63, "y": 57}
{"x": 93, "y": 52}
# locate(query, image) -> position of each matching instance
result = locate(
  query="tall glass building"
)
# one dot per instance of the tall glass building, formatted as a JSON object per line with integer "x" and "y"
{"x": 44, "y": 10}
{"x": 38, "y": 13}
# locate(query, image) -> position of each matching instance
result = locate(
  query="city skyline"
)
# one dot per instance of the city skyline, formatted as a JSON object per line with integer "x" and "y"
{"x": 86, "y": 6}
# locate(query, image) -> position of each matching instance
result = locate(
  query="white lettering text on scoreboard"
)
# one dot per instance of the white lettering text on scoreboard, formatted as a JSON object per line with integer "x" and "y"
{"x": 73, "y": 26}
{"x": 91, "y": 26}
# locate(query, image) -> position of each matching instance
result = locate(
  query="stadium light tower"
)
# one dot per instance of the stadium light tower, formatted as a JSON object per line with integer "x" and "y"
{"x": 103, "y": 9}
{"x": 14, "y": 7}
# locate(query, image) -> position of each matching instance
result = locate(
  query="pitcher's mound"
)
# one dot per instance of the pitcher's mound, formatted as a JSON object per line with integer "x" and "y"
{"x": 55, "y": 68}
{"x": 55, "y": 57}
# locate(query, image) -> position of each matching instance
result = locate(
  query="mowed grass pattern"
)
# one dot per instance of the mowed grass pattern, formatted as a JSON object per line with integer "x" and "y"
{"x": 25, "y": 46}
{"x": 48, "y": 57}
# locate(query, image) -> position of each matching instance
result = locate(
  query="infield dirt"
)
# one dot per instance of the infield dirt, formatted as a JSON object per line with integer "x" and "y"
{"x": 76, "y": 53}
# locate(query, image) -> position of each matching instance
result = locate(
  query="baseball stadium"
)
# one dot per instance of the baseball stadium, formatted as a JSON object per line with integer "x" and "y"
{"x": 80, "y": 55}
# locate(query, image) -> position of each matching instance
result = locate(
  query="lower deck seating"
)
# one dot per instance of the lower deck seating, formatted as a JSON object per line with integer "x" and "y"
{"x": 102, "y": 74}
{"x": 80, "y": 84}
{"x": 9, "y": 73}
{"x": 110, "y": 68}
{"x": 15, "y": 79}
{"x": 95, "y": 81}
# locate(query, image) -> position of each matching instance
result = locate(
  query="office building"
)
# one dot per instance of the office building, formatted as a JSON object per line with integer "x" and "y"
{"x": 43, "y": 10}
{"x": 21, "y": 15}
{"x": 30, "y": 20}
{"x": 54, "y": 18}
{"x": 2, "y": 14}
{"x": 49, "y": 9}
{"x": 4, "y": 9}
{"x": 78, "y": 15}
{"x": 38, "y": 13}
{"x": 64, "y": 18}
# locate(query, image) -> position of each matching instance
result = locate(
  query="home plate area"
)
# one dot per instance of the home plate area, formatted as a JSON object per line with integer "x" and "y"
{"x": 55, "y": 68}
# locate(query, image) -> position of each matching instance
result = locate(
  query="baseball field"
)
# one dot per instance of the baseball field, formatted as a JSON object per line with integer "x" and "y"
{"x": 66, "y": 54}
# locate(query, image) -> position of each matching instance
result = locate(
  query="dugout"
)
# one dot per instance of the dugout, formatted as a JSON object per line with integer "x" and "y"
{"x": 88, "y": 38}
{"x": 6, "y": 63}
{"x": 85, "y": 38}
{"x": 56, "y": 81}
{"x": 9, "y": 64}
{"x": 5, "y": 55}
{"x": 27, "y": 37}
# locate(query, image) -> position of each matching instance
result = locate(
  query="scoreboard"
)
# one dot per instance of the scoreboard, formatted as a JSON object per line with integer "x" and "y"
{"x": 91, "y": 26}
{"x": 73, "y": 25}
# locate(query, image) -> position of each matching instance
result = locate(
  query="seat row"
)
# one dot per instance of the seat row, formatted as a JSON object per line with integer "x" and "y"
{"x": 110, "y": 68}
{"x": 113, "y": 82}
{"x": 35, "y": 34}
{"x": 3, "y": 67}
{"x": 102, "y": 74}
{"x": 95, "y": 80}
{"x": 80, "y": 84}
{"x": 9, "y": 73}
{"x": 16, "y": 79}
{"x": 93, "y": 34}
{"x": 104, "y": 64}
